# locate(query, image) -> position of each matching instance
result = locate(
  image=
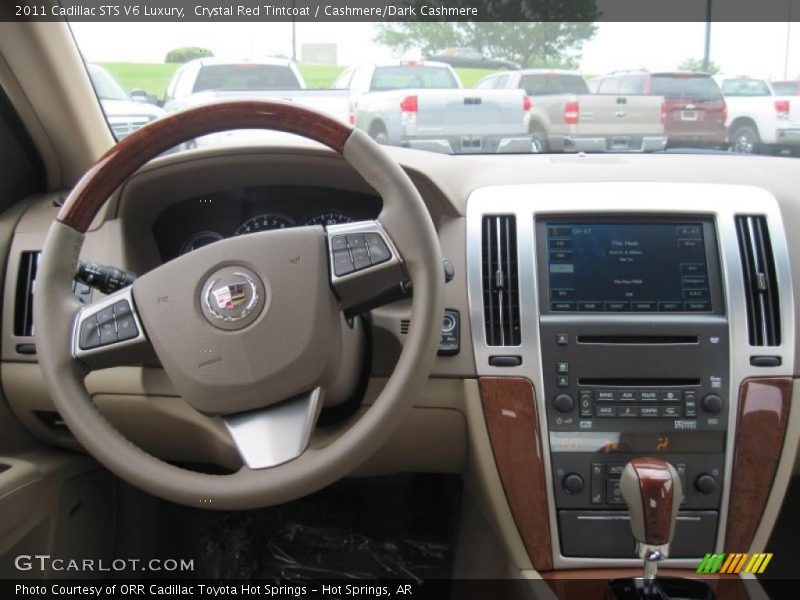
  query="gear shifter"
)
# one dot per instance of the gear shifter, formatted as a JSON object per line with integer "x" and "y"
{"x": 652, "y": 490}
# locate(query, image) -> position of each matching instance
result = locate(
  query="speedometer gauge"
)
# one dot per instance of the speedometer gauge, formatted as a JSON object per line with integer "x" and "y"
{"x": 329, "y": 218}
{"x": 264, "y": 222}
{"x": 198, "y": 240}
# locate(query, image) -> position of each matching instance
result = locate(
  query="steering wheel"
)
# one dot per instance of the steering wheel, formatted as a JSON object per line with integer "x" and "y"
{"x": 248, "y": 329}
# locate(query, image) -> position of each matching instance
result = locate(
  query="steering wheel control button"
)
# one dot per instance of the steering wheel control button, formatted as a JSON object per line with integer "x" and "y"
{"x": 360, "y": 254}
{"x": 90, "y": 334}
{"x": 126, "y": 328}
{"x": 232, "y": 297}
{"x": 342, "y": 262}
{"x": 339, "y": 242}
{"x": 378, "y": 250}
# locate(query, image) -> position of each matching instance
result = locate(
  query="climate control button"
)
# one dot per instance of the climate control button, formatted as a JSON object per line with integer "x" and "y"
{"x": 572, "y": 483}
{"x": 705, "y": 483}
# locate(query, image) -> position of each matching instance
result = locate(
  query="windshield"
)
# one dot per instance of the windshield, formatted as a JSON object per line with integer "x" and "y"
{"x": 745, "y": 87}
{"x": 105, "y": 85}
{"x": 460, "y": 87}
{"x": 245, "y": 78}
{"x": 690, "y": 87}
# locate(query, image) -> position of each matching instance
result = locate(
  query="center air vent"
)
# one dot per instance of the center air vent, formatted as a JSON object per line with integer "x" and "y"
{"x": 760, "y": 281}
{"x": 500, "y": 280}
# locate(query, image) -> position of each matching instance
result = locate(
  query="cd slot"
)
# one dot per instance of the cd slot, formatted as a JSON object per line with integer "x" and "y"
{"x": 618, "y": 382}
{"x": 659, "y": 340}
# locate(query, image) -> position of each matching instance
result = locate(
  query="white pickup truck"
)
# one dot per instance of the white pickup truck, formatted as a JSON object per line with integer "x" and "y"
{"x": 423, "y": 105}
{"x": 565, "y": 116}
{"x": 758, "y": 119}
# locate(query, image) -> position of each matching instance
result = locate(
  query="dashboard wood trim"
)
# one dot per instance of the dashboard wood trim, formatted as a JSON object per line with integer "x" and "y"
{"x": 512, "y": 422}
{"x": 760, "y": 430}
{"x": 123, "y": 159}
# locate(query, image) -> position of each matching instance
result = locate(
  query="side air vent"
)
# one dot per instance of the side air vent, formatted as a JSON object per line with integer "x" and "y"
{"x": 500, "y": 280}
{"x": 761, "y": 283}
{"x": 404, "y": 325}
{"x": 26, "y": 282}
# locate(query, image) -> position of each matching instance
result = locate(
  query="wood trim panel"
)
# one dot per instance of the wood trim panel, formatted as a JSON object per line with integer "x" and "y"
{"x": 512, "y": 422}
{"x": 122, "y": 160}
{"x": 761, "y": 426}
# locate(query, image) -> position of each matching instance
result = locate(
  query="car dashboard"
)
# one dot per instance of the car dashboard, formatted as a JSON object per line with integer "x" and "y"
{"x": 675, "y": 336}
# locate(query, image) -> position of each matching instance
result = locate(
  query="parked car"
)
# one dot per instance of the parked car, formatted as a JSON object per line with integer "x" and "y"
{"x": 564, "y": 116}
{"x": 694, "y": 108}
{"x": 124, "y": 114}
{"x": 758, "y": 119}
{"x": 471, "y": 58}
{"x": 205, "y": 79}
{"x": 786, "y": 88}
{"x": 423, "y": 105}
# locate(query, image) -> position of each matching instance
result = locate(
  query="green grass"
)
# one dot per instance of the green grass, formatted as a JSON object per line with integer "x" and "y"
{"x": 153, "y": 78}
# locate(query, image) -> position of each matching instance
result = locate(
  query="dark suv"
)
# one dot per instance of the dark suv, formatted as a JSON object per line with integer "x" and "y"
{"x": 694, "y": 108}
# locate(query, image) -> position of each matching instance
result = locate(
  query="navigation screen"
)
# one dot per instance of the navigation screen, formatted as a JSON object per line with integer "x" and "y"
{"x": 627, "y": 267}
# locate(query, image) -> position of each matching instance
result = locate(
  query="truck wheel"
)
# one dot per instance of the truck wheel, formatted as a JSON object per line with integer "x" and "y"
{"x": 378, "y": 133}
{"x": 745, "y": 140}
{"x": 538, "y": 141}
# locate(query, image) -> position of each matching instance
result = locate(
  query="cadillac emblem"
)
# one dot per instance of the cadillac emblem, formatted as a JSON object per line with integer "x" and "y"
{"x": 232, "y": 298}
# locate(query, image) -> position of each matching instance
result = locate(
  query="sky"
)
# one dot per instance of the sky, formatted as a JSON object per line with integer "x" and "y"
{"x": 754, "y": 49}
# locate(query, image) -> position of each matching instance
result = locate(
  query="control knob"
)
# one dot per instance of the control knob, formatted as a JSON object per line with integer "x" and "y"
{"x": 712, "y": 403}
{"x": 572, "y": 483}
{"x": 563, "y": 403}
{"x": 705, "y": 483}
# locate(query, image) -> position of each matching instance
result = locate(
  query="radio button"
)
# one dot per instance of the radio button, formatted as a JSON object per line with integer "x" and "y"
{"x": 644, "y": 306}
{"x": 606, "y": 395}
{"x": 563, "y": 381}
{"x": 627, "y": 411}
{"x": 669, "y": 306}
{"x": 712, "y": 403}
{"x": 562, "y": 368}
{"x": 605, "y": 411}
{"x": 563, "y": 403}
{"x": 671, "y": 411}
{"x": 648, "y": 395}
{"x": 617, "y": 306}
{"x": 585, "y": 403}
{"x": 627, "y": 396}
{"x": 588, "y": 306}
{"x": 669, "y": 395}
{"x": 648, "y": 411}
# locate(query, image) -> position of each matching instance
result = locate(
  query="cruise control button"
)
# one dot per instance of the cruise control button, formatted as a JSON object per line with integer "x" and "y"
{"x": 378, "y": 250}
{"x": 126, "y": 328}
{"x": 342, "y": 263}
{"x": 121, "y": 308}
{"x": 90, "y": 334}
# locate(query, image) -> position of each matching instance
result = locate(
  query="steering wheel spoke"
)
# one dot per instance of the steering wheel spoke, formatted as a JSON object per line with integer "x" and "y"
{"x": 109, "y": 333}
{"x": 366, "y": 266}
{"x": 278, "y": 433}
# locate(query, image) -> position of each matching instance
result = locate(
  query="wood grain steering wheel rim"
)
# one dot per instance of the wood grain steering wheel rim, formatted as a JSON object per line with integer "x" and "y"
{"x": 405, "y": 221}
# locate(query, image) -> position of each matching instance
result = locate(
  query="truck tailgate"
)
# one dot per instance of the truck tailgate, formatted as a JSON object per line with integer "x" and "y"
{"x": 470, "y": 112}
{"x": 619, "y": 115}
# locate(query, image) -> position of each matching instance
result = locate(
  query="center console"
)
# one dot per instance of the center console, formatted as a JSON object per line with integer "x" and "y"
{"x": 632, "y": 309}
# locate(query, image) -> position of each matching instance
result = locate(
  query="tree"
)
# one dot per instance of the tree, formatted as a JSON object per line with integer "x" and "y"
{"x": 182, "y": 55}
{"x": 696, "y": 64}
{"x": 541, "y": 33}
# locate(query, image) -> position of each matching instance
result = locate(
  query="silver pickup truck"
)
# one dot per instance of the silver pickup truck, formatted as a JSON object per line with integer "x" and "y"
{"x": 423, "y": 105}
{"x": 565, "y": 116}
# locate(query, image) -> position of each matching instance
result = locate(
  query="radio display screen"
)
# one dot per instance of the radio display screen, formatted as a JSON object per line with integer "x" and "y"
{"x": 627, "y": 267}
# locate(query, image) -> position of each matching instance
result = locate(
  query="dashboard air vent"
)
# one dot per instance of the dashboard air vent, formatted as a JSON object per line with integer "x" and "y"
{"x": 404, "y": 325}
{"x": 760, "y": 281}
{"x": 500, "y": 280}
{"x": 26, "y": 282}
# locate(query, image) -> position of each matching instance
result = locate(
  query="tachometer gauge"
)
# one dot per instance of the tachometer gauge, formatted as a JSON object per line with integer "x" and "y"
{"x": 198, "y": 240}
{"x": 329, "y": 218}
{"x": 264, "y": 222}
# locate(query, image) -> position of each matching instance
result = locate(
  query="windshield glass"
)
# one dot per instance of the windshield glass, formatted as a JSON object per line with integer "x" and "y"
{"x": 460, "y": 87}
{"x": 745, "y": 87}
{"x": 245, "y": 77}
{"x": 105, "y": 85}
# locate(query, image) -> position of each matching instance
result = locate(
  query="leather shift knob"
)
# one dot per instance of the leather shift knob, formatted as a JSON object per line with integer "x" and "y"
{"x": 652, "y": 490}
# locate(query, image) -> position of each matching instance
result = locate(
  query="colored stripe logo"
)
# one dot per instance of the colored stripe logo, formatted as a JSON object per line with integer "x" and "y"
{"x": 734, "y": 562}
